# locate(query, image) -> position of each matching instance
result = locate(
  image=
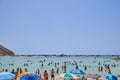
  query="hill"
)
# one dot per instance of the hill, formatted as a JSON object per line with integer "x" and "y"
{"x": 5, "y": 52}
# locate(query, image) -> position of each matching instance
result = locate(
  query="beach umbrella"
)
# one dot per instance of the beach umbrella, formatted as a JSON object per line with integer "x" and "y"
{"x": 93, "y": 76}
{"x": 110, "y": 77}
{"x": 77, "y": 71}
{"x": 6, "y": 76}
{"x": 68, "y": 76}
{"x": 30, "y": 77}
{"x": 23, "y": 74}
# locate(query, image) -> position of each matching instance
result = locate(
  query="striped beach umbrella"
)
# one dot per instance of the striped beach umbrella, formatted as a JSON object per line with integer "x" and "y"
{"x": 68, "y": 76}
{"x": 6, "y": 76}
{"x": 93, "y": 76}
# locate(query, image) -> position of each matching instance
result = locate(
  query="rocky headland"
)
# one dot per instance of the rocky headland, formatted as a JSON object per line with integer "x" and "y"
{"x": 5, "y": 52}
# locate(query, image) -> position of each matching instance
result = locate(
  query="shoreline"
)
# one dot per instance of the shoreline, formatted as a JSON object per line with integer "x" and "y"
{"x": 61, "y": 55}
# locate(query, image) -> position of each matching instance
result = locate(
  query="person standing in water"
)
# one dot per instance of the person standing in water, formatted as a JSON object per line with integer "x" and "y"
{"x": 76, "y": 66}
{"x": 45, "y": 75}
{"x": 41, "y": 78}
{"x": 52, "y": 73}
{"x": 109, "y": 71}
{"x": 26, "y": 70}
{"x": 57, "y": 70}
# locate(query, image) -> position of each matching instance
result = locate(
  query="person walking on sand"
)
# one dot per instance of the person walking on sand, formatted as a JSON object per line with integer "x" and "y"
{"x": 52, "y": 74}
{"x": 45, "y": 75}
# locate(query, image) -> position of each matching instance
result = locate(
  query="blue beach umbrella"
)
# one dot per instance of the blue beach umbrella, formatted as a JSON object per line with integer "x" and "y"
{"x": 110, "y": 77}
{"x": 6, "y": 76}
{"x": 77, "y": 71}
{"x": 68, "y": 76}
{"x": 30, "y": 77}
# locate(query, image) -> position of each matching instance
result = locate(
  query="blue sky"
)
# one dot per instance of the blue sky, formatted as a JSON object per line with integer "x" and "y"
{"x": 60, "y": 26}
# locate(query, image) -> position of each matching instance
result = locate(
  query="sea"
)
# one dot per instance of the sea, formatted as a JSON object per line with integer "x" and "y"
{"x": 32, "y": 63}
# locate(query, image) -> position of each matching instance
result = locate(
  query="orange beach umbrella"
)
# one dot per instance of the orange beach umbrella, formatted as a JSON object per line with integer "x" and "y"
{"x": 23, "y": 74}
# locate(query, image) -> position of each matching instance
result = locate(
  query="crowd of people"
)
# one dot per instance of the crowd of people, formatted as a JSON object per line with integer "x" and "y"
{"x": 51, "y": 75}
{"x": 45, "y": 76}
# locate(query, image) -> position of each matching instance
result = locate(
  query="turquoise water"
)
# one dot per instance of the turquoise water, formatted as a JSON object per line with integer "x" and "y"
{"x": 34, "y": 63}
